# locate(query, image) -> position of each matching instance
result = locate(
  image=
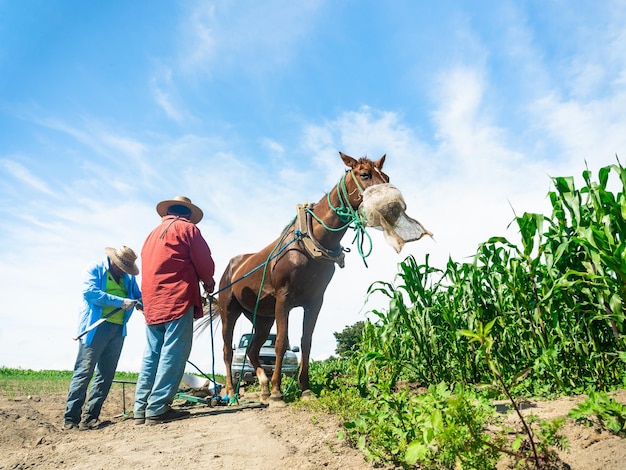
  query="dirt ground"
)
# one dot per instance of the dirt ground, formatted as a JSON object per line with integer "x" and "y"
{"x": 246, "y": 436}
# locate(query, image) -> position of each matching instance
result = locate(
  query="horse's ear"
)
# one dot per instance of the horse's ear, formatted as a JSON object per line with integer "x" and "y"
{"x": 379, "y": 163}
{"x": 349, "y": 161}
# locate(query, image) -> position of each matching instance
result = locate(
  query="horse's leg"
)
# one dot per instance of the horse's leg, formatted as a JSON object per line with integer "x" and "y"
{"x": 230, "y": 312}
{"x": 282, "y": 340}
{"x": 262, "y": 328}
{"x": 309, "y": 320}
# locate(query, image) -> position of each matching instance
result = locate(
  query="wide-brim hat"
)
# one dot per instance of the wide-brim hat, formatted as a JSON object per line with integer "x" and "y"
{"x": 196, "y": 212}
{"x": 124, "y": 258}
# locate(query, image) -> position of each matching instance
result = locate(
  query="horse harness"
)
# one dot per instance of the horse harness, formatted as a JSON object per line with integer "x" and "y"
{"x": 314, "y": 249}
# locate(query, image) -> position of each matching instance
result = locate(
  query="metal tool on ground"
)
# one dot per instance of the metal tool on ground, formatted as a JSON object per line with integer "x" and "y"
{"x": 201, "y": 390}
{"x": 124, "y": 414}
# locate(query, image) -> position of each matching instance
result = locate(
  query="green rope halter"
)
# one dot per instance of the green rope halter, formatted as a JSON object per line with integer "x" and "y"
{"x": 350, "y": 217}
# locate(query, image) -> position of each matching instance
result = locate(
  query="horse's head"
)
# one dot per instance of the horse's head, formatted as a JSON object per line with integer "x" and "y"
{"x": 365, "y": 173}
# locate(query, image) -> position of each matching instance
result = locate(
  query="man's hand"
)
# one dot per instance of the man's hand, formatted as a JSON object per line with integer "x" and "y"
{"x": 127, "y": 304}
{"x": 208, "y": 288}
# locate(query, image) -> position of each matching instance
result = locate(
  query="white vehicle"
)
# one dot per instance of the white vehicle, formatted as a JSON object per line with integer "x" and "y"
{"x": 267, "y": 356}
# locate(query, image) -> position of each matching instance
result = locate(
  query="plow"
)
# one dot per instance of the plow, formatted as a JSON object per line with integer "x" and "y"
{"x": 204, "y": 391}
{"x": 196, "y": 391}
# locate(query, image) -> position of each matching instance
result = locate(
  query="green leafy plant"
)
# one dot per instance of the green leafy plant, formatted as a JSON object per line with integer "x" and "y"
{"x": 539, "y": 445}
{"x": 599, "y": 409}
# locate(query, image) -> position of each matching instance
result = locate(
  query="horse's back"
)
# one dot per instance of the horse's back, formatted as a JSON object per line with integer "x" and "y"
{"x": 243, "y": 265}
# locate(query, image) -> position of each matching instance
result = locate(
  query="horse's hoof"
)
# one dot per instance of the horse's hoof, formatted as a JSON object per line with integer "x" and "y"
{"x": 277, "y": 402}
{"x": 307, "y": 395}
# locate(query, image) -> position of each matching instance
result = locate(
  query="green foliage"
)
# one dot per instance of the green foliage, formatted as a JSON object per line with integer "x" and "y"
{"x": 440, "y": 428}
{"x": 601, "y": 410}
{"x": 348, "y": 339}
{"x": 290, "y": 391}
{"x": 554, "y": 304}
{"x": 548, "y": 435}
{"x": 542, "y": 317}
{"x": 328, "y": 374}
{"x": 7, "y": 373}
{"x": 344, "y": 401}
{"x": 19, "y": 382}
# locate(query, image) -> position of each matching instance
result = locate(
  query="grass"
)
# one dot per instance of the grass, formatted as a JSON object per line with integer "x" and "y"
{"x": 24, "y": 382}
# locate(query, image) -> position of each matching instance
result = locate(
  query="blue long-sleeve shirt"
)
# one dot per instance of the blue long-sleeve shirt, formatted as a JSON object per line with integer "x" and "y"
{"x": 95, "y": 297}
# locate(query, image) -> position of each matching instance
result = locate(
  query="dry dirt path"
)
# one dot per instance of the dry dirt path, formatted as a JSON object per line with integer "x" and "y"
{"x": 218, "y": 438}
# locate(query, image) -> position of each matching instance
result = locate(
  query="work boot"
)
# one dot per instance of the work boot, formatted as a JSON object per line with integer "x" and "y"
{"x": 68, "y": 426}
{"x": 86, "y": 424}
{"x": 169, "y": 415}
{"x": 139, "y": 417}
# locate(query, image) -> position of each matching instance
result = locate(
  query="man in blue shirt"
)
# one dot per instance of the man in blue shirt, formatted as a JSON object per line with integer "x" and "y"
{"x": 110, "y": 294}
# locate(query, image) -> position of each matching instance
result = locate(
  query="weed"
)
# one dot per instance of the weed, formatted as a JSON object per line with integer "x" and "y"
{"x": 601, "y": 410}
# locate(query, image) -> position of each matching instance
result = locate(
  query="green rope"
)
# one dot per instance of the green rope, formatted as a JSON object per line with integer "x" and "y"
{"x": 349, "y": 216}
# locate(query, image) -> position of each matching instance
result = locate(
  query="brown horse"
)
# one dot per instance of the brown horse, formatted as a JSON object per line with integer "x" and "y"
{"x": 296, "y": 269}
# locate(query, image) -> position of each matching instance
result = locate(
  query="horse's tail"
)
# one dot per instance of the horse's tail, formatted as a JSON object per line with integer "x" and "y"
{"x": 211, "y": 319}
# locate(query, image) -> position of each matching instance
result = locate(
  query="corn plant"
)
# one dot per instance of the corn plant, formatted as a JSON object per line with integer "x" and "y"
{"x": 555, "y": 302}
{"x": 543, "y": 316}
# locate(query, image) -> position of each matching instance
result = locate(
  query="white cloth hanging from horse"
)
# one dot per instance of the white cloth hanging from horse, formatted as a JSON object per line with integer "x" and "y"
{"x": 383, "y": 208}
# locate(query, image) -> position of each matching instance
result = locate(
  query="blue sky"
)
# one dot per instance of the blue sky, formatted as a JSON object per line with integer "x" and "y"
{"x": 243, "y": 107}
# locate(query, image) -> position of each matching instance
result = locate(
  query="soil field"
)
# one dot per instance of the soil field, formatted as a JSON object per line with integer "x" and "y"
{"x": 250, "y": 435}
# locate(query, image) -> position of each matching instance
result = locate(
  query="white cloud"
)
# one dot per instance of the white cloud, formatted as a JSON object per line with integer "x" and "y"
{"x": 161, "y": 86}
{"x": 22, "y": 174}
{"x": 248, "y": 37}
{"x": 198, "y": 42}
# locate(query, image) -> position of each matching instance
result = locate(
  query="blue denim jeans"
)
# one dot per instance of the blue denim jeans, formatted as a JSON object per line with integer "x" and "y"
{"x": 102, "y": 356}
{"x": 164, "y": 360}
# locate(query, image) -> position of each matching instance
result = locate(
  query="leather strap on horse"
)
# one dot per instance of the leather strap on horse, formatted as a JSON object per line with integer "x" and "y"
{"x": 314, "y": 249}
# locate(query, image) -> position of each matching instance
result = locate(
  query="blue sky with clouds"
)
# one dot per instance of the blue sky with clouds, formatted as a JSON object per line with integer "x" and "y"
{"x": 107, "y": 109}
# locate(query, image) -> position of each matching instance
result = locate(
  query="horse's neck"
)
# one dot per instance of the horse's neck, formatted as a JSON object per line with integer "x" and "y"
{"x": 329, "y": 239}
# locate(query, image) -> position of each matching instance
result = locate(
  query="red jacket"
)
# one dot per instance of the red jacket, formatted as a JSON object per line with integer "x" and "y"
{"x": 174, "y": 259}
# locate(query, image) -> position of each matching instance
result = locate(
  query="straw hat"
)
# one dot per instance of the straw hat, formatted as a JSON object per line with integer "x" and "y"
{"x": 196, "y": 212}
{"x": 124, "y": 258}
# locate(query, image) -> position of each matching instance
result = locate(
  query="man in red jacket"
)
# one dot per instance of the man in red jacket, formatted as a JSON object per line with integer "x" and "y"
{"x": 174, "y": 258}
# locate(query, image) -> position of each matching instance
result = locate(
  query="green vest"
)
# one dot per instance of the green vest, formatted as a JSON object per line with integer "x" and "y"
{"x": 119, "y": 290}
